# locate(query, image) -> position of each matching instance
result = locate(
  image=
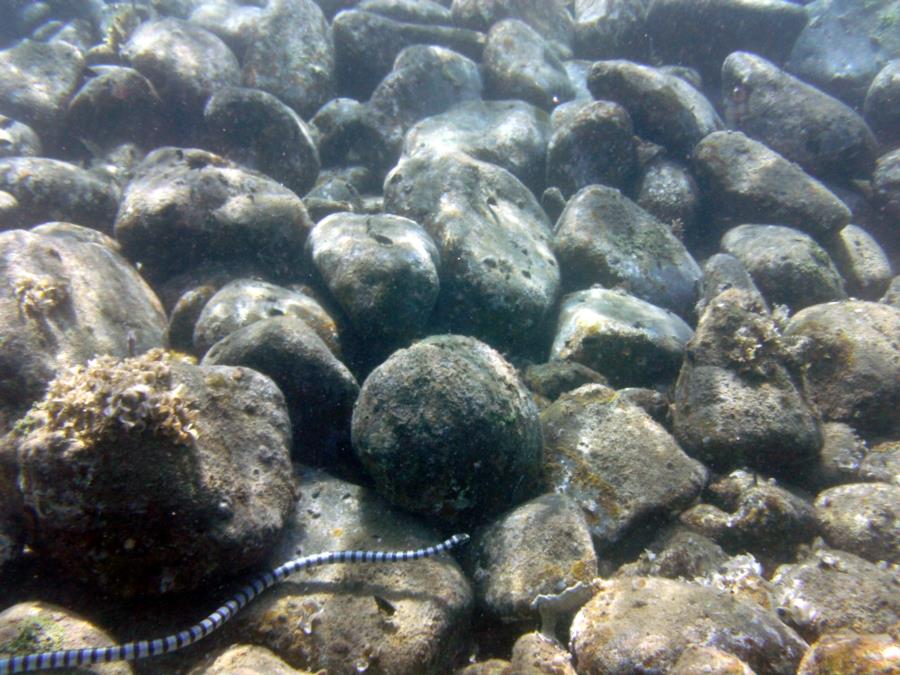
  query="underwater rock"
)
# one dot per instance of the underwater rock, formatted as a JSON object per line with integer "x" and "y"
{"x": 231, "y": 20}
{"x": 668, "y": 191}
{"x": 620, "y": 466}
{"x": 882, "y": 104}
{"x": 850, "y": 652}
{"x": 745, "y": 514}
{"x": 721, "y": 272}
{"x": 886, "y": 187}
{"x": 319, "y": 390}
{"x": 446, "y": 428}
{"x": 187, "y": 206}
{"x": 702, "y": 34}
{"x": 627, "y": 340}
{"x": 745, "y": 182}
{"x": 245, "y": 660}
{"x": 852, "y": 362}
{"x": 862, "y": 262}
{"x": 332, "y": 194}
{"x": 367, "y": 44}
{"x": 579, "y": 129}
{"x": 609, "y": 634}
{"x": 602, "y": 237}
{"x": 787, "y": 265}
{"x": 292, "y": 55}
{"x": 540, "y": 547}
{"x": 696, "y": 660}
{"x": 519, "y": 64}
{"x": 862, "y": 518}
{"x": 550, "y": 20}
{"x": 534, "y": 654}
{"x": 382, "y": 270}
{"x": 17, "y": 140}
{"x": 118, "y": 105}
{"x": 150, "y": 475}
{"x": 336, "y": 127}
{"x": 50, "y": 189}
{"x": 677, "y": 552}
{"x": 12, "y": 534}
{"x": 244, "y": 301}
{"x": 499, "y": 278}
{"x": 37, "y": 626}
{"x": 408, "y": 617}
{"x": 36, "y": 81}
{"x": 427, "y": 12}
{"x": 844, "y": 45}
{"x": 185, "y": 63}
{"x": 70, "y": 296}
{"x": 556, "y": 377}
{"x": 799, "y": 122}
{"x": 882, "y": 463}
{"x": 256, "y": 130}
{"x": 830, "y": 590}
{"x": 611, "y": 28}
{"x": 424, "y": 81}
{"x": 840, "y": 457}
{"x": 735, "y": 402}
{"x": 511, "y": 134}
{"x": 665, "y": 109}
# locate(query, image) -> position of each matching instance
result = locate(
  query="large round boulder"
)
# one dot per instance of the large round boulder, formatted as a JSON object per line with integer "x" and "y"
{"x": 446, "y": 428}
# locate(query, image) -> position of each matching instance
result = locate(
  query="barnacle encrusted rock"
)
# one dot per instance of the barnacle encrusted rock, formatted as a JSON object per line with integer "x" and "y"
{"x": 95, "y": 402}
{"x": 151, "y": 474}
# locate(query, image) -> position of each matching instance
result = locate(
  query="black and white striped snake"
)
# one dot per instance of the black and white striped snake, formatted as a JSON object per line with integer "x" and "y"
{"x": 144, "y": 648}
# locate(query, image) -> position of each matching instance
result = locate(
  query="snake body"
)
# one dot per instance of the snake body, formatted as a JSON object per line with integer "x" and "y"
{"x": 142, "y": 649}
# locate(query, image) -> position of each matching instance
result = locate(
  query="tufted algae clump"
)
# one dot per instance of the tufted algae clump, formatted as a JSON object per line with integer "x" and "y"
{"x": 108, "y": 396}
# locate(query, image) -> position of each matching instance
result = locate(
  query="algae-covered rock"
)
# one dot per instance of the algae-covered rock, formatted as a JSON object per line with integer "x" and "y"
{"x": 149, "y": 474}
{"x": 853, "y": 371}
{"x": 611, "y": 633}
{"x": 735, "y": 400}
{"x": 446, "y": 428}
{"x": 622, "y": 468}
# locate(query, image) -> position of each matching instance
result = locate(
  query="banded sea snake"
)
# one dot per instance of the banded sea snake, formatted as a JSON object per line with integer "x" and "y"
{"x": 131, "y": 651}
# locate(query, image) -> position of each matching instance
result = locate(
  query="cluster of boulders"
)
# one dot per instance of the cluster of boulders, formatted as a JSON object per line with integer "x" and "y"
{"x": 606, "y": 284}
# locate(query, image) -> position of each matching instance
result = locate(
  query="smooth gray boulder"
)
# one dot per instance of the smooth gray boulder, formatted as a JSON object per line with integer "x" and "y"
{"x": 664, "y": 108}
{"x": 609, "y": 632}
{"x": 71, "y": 297}
{"x": 292, "y": 56}
{"x": 256, "y": 130}
{"x": 518, "y": 64}
{"x": 187, "y": 207}
{"x": 499, "y": 277}
{"x": 787, "y": 265}
{"x": 853, "y": 372}
{"x": 801, "y": 123}
{"x": 743, "y": 181}
{"x": 44, "y": 190}
{"x": 382, "y": 270}
{"x": 602, "y": 237}
{"x": 629, "y": 341}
